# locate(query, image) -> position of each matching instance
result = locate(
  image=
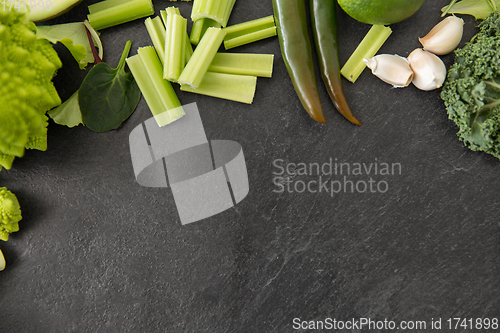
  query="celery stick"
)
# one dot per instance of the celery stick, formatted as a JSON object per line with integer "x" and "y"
{"x": 217, "y": 10}
{"x": 175, "y": 46}
{"x": 248, "y": 32}
{"x": 239, "y": 88}
{"x": 109, "y": 13}
{"x": 157, "y": 33}
{"x": 202, "y": 56}
{"x": 200, "y": 27}
{"x": 158, "y": 93}
{"x": 369, "y": 46}
{"x": 175, "y": 10}
{"x": 243, "y": 64}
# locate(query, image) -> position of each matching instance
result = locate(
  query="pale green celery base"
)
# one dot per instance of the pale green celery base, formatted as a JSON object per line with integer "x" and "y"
{"x": 368, "y": 48}
{"x": 157, "y": 33}
{"x": 202, "y": 56}
{"x": 239, "y": 88}
{"x": 243, "y": 64}
{"x": 200, "y": 27}
{"x": 158, "y": 93}
{"x": 175, "y": 46}
{"x": 121, "y": 13}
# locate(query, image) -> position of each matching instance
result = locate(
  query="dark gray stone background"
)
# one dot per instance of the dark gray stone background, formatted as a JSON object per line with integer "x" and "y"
{"x": 98, "y": 253}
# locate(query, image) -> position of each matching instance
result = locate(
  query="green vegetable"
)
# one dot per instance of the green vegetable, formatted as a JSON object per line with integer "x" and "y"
{"x": 324, "y": 22}
{"x": 291, "y": 23}
{"x": 189, "y": 48}
{"x": 199, "y": 28}
{"x": 243, "y": 64}
{"x": 249, "y": 32}
{"x": 369, "y": 46}
{"x": 175, "y": 45}
{"x": 239, "y": 88}
{"x": 480, "y": 9}
{"x": 203, "y": 55}
{"x": 27, "y": 66}
{"x": 10, "y": 213}
{"x": 217, "y": 10}
{"x": 68, "y": 113}
{"x": 157, "y": 33}
{"x": 44, "y": 10}
{"x": 71, "y": 35}
{"x": 471, "y": 92}
{"x": 158, "y": 92}
{"x": 108, "y": 96}
{"x": 109, "y": 13}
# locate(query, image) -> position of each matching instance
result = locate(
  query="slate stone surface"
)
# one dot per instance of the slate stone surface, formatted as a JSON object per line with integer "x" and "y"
{"x": 98, "y": 253}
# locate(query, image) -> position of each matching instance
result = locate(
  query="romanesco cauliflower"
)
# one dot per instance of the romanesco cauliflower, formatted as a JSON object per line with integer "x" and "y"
{"x": 27, "y": 66}
{"x": 10, "y": 213}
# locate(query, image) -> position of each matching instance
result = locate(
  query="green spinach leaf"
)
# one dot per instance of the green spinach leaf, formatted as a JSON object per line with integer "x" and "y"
{"x": 108, "y": 96}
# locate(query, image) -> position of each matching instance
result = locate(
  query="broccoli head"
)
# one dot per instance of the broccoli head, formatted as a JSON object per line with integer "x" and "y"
{"x": 471, "y": 92}
{"x": 10, "y": 213}
{"x": 27, "y": 66}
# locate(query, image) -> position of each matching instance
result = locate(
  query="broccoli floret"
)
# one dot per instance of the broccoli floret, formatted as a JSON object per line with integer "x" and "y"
{"x": 27, "y": 66}
{"x": 10, "y": 213}
{"x": 471, "y": 92}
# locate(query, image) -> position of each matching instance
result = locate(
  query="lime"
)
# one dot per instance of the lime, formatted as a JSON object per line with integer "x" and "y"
{"x": 380, "y": 11}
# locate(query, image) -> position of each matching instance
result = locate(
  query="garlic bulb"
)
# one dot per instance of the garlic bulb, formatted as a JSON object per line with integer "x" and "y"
{"x": 428, "y": 69}
{"x": 392, "y": 69}
{"x": 444, "y": 37}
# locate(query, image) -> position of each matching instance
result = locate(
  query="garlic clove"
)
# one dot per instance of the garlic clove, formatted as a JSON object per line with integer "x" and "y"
{"x": 444, "y": 37}
{"x": 428, "y": 69}
{"x": 391, "y": 68}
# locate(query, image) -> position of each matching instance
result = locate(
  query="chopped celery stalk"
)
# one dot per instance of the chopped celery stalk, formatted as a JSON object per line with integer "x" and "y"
{"x": 239, "y": 88}
{"x": 157, "y": 33}
{"x": 175, "y": 10}
{"x": 175, "y": 46}
{"x": 217, "y": 10}
{"x": 368, "y": 48}
{"x": 248, "y": 32}
{"x": 199, "y": 28}
{"x": 243, "y": 64}
{"x": 202, "y": 56}
{"x": 158, "y": 92}
{"x": 109, "y": 13}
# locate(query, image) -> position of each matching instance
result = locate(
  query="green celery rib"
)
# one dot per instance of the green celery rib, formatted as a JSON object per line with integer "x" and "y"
{"x": 200, "y": 27}
{"x": 248, "y": 32}
{"x": 243, "y": 64}
{"x": 202, "y": 56}
{"x": 105, "y": 15}
{"x": 158, "y": 93}
{"x": 217, "y": 10}
{"x": 175, "y": 46}
{"x": 368, "y": 48}
{"x": 189, "y": 47}
{"x": 157, "y": 33}
{"x": 239, "y": 88}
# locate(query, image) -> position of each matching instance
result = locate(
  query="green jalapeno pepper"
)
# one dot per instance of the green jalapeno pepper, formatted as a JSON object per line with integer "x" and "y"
{"x": 324, "y": 23}
{"x": 291, "y": 24}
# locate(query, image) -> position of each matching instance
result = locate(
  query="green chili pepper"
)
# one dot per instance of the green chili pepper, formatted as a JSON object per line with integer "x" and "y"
{"x": 324, "y": 23}
{"x": 291, "y": 24}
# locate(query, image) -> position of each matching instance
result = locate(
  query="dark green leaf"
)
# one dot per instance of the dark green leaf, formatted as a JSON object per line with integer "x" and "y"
{"x": 107, "y": 96}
